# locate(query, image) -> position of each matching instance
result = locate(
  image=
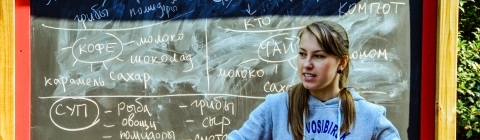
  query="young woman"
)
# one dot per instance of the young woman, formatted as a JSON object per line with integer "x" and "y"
{"x": 320, "y": 107}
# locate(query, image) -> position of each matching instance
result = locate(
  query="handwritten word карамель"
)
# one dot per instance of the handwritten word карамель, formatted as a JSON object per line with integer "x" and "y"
{"x": 94, "y": 82}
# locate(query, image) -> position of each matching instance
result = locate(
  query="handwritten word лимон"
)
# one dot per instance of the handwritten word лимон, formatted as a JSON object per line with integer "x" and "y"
{"x": 372, "y": 54}
{"x": 147, "y": 135}
{"x": 216, "y": 104}
{"x": 96, "y": 82}
{"x": 130, "y": 77}
{"x": 375, "y": 8}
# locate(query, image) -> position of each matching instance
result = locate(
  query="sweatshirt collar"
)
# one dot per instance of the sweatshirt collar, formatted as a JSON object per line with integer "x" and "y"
{"x": 314, "y": 102}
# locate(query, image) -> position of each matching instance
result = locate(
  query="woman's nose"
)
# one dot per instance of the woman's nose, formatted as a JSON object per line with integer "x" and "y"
{"x": 307, "y": 63}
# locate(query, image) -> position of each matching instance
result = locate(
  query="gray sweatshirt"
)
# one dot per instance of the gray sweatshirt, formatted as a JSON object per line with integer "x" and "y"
{"x": 269, "y": 121}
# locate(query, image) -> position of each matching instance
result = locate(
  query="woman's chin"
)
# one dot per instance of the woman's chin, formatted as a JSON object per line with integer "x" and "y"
{"x": 308, "y": 86}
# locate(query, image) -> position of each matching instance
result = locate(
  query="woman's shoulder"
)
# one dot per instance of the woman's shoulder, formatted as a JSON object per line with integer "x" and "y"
{"x": 277, "y": 98}
{"x": 363, "y": 105}
{"x": 369, "y": 107}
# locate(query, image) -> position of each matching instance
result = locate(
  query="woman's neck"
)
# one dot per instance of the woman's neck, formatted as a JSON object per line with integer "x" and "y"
{"x": 325, "y": 95}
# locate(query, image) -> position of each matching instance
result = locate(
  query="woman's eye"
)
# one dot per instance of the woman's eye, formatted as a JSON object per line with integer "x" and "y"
{"x": 318, "y": 56}
{"x": 302, "y": 54}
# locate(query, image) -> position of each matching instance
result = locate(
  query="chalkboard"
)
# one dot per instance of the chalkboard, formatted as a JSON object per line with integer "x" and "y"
{"x": 195, "y": 69}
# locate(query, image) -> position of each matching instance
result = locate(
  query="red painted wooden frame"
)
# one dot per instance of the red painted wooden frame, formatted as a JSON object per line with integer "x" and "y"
{"x": 428, "y": 72}
{"x": 23, "y": 64}
{"x": 22, "y": 70}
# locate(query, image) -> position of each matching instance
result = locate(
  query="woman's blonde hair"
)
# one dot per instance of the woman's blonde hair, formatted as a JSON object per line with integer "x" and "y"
{"x": 333, "y": 39}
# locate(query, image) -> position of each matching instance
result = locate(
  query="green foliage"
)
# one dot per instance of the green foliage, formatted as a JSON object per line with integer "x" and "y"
{"x": 468, "y": 88}
{"x": 469, "y": 18}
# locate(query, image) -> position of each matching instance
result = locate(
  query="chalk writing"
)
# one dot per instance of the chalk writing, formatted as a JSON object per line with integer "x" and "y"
{"x": 216, "y": 104}
{"x": 96, "y": 48}
{"x": 131, "y": 122}
{"x": 275, "y": 45}
{"x": 112, "y": 50}
{"x": 212, "y": 121}
{"x": 57, "y": 113}
{"x": 161, "y": 59}
{"x": 211, "y": 137}
{"x": 223, "y": 2}
{"x": 246, "y": 74}
{"x": 130, "y": 77}
{"x": 372, "y": 8}
{"x": 80, "y": 47}
{"x": 371, "y": 54}
{"x": 165, "y": 9}
{"x": 93, "y": 15}
{"x": 132, "y": 108}
{"x": 48, "y": 3}
{"x": 160, "y": 39}
{"x": 250, "y": 12}
{"x": 147, "y": 135}
{"x": 256, "y": 21}
{"x": 94, "y": 82}
{"x": 272, "y": 87}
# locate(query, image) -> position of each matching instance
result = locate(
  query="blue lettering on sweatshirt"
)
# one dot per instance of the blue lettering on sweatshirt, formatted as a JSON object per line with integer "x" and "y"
{"x": 324, "y": 126}
{"x": 319, "y": 125}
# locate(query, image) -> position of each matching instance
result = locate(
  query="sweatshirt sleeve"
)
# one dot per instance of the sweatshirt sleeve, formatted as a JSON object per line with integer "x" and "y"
{"x": 257, "y": 127}
{"x": 384, "y": 129}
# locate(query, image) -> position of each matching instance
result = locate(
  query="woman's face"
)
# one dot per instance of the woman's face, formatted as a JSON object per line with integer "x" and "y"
{"x": 316, "y": 68}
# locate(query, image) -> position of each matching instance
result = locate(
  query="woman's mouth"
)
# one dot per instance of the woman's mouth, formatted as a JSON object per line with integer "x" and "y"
{"x": 308, "y": 77}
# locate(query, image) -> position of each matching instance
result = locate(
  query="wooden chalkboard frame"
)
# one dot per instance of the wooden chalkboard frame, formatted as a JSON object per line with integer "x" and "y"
{"x": 423, "y": 81}
{"x": 22, "y": 69}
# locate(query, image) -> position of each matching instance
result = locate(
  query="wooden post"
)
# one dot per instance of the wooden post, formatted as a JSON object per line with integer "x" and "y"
{"x": 7, "y": 65}
{"x": 446, "y": 86}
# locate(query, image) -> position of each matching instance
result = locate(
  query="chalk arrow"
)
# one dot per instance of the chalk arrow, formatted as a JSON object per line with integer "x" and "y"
{"x": 248, "y": 10}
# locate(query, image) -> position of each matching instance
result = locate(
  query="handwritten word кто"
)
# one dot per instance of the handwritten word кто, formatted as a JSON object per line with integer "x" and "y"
{"x": 130, "y": 77}
{"x": 256, "y": 21}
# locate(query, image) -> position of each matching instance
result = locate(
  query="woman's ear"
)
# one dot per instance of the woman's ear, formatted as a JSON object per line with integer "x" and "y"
{"x": 343, "y": 62}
